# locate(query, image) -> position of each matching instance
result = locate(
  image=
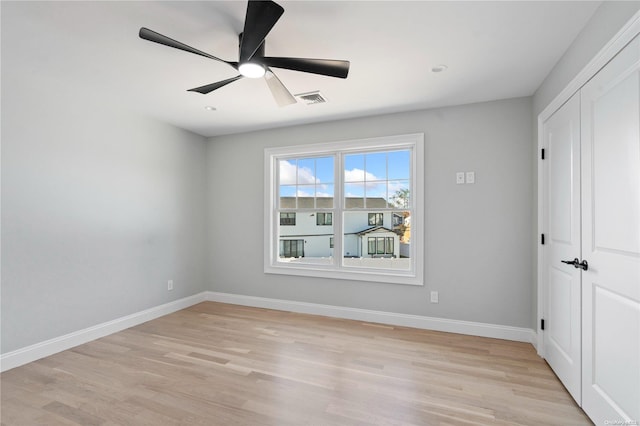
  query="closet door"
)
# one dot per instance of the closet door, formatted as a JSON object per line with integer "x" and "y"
{"x": 562, "y": 333}
{"x": 610, "y": 129}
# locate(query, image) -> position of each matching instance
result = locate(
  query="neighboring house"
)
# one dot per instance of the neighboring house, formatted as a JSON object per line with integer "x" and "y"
{"x": 372, "y": 232}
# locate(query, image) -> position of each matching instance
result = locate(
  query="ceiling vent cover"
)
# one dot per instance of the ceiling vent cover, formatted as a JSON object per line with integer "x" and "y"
{"x": 311, "y": 98}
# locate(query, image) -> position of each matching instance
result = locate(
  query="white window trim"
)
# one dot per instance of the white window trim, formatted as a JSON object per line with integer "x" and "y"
{"x": 415, "y": 276}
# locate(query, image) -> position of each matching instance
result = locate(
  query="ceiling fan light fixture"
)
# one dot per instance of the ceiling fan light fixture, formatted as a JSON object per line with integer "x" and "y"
{"x": 251, "y": 70}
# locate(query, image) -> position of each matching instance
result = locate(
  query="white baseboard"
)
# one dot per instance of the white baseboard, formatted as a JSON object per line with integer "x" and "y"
{"x": 49, "y": 347}
{"x": 417, "y": 321}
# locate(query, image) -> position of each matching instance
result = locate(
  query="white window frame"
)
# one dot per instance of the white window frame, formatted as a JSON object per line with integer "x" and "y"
{"x": 414, "y": 276}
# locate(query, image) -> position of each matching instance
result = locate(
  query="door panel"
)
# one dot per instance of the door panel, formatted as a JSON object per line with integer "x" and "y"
{"x": 562, "y": 193}
{"x": 561, "y": 293}
{"x": 611, "y": 239}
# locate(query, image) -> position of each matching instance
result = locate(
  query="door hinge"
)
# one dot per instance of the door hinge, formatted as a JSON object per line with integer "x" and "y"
{"x": 541, "y": 324}
{"x": 542, "y": 239}
{"x": 542, "y": 153}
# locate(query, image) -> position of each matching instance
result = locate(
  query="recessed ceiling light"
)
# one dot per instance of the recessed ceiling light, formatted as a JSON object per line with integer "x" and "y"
{"x": 210, "y": 108}
{"x": 439, "y": 68}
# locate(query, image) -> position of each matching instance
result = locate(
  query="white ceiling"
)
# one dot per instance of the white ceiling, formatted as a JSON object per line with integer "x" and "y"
{"x": 493, "y": 50}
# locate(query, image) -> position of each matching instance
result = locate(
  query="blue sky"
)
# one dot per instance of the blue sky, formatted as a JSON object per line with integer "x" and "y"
{"x": 378, "y": 174}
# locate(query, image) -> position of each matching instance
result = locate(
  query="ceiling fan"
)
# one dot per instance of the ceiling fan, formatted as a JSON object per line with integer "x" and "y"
{"x": 261, "y": 16}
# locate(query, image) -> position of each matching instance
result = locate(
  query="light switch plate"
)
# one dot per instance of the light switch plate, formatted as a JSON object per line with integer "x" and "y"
{"x": 460, "y": 178}
{"x": 471, "y": 177}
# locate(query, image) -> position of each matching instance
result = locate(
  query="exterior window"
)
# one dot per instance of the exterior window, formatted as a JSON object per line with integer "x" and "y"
{"x": 380, "y": 245}
{"x": 288, "y": 219}
{"x": 364, "y": 196}
{"x": 375, "y": 219}
{"x": 324, "y": 219}
{"x": 292, "y": 248}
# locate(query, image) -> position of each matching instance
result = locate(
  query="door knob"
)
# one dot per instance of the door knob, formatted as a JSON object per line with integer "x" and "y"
{"x": 577, "y": 264}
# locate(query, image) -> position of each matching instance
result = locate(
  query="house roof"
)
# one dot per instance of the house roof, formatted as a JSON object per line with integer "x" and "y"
{"x": 374, "y": 229}
{"x": 327, "y": 203}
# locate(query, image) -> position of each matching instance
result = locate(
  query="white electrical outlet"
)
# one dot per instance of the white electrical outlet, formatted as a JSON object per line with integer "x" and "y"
{"x": 170, "y": 285}
{"x": 471, "y": 177}
{"x": 434, "y": 297}
{"x": 459, "y": 178}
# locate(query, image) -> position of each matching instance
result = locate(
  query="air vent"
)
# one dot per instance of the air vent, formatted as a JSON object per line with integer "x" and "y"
{"x": 311, "y": 98}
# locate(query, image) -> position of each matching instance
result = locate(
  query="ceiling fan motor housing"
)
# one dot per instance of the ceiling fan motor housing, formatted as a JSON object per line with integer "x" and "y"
{"x": 254, "y": 67}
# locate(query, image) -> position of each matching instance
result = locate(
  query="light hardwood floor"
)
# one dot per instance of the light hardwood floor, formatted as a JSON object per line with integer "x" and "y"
{"x": 219, "y": 364}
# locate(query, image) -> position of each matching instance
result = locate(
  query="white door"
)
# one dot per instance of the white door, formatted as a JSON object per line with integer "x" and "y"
{"x": 562, "y": 242}
{"x": 611, "y": 240}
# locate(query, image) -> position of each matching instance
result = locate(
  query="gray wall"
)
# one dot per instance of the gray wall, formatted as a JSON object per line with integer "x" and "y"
{"x": 99, "y": 209}
{"x": 478, "y": 237}
{"x": 608, "y": 19}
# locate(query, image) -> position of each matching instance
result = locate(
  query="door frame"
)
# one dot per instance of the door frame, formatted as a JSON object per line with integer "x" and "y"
{"x": 627, "y": 33}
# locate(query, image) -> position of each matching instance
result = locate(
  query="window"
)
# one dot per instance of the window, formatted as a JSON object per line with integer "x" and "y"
{"x": 287, "y": 219}
{"x": 364, "y": 196}
{"x": 323, "y": 219}
{"x": 380, "y": 245}
{"x": 292, "y": 248}
{"x": 375, "y": 219}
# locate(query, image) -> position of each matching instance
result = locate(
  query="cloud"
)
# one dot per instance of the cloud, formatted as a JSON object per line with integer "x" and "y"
{"x": 300, "y": 193}
{"x": 357, "y": 175}
{"x": 288, "y": 174}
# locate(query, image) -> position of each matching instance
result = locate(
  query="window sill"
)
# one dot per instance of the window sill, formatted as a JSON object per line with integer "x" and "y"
{"x": 330, "y": 272}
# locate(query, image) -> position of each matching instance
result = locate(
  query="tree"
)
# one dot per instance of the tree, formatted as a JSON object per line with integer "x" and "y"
{"x": 401, "y": 198}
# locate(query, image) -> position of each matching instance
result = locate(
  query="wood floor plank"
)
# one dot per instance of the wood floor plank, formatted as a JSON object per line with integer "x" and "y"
{"x": 220, "y": 364}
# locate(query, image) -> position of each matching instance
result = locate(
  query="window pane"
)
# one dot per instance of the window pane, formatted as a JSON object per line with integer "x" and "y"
{"x": 376, "y": 219}
{"x": 302, "y": 240}
{"x": 368, "y": 245}
{"x": 287, "y": 197}
{"x": 324, "y": 196}
{"x": 291, "y": 248}
{"x": 354, "y": 195}
{"x": 354, "y": 168}
{"x": 372, "y": 246}
{"x": 376, "y": 166}
{"x": 324, "y": 170}
{"x": 377, "y": 196}
{"x": 323, "y": 219}
{"x": 399, "y": 164}
{"x": 388, "y": 248}
{"x": 287, "y": 219}
{"x": 306, "y": 171}
{"x": 288, "y": 172}
{"x": 367, "y": 183}
{"x": 399, "y": 195}
{"x": 306, "y": 199}
{"x": 324, "y": 203}
{"x": 302, "y": 180}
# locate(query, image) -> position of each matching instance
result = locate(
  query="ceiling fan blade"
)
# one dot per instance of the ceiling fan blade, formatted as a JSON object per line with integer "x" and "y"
{"x": 213, "y": 86}
{"x": 261, "y": 17}
{"x": 328, "y": 67}
{"x": 280, "y": 93}
{"x": 147, "y": 34}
